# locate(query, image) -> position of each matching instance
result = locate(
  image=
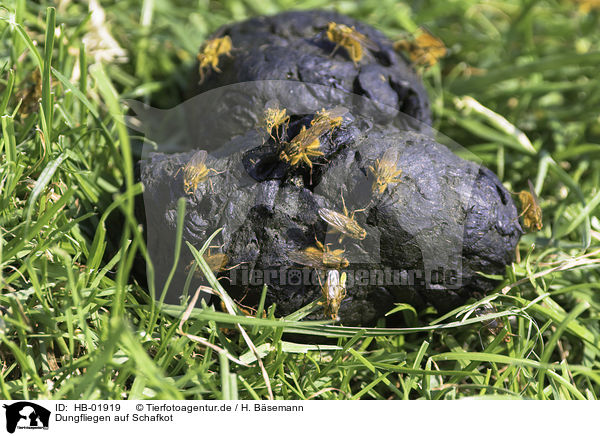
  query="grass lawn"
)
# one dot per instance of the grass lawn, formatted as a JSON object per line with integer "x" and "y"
{"x": 76, "y": 325}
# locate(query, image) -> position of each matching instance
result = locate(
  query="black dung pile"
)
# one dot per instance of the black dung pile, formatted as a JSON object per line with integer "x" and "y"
{"x": 422, "y": 223}
{"x": 294, "y": 46}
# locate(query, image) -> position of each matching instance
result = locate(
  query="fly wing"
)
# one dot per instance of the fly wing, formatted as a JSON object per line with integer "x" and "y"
{"x": 532, "y": 190}
{"x": 363, "y": 40}
{"x": 390, "y": 157}
{"x": 198, "y": 158}
{"x": 338, "y": 111}
{"x": 333, "y": 218}
{"x": 216, "y": 262}
{"x": 333, "y": 282}
{"x": 224, "y": 45}
{"x": 429, "y": 42}
{"x": 308, "y": 257}
{"x": 306, "y": 136}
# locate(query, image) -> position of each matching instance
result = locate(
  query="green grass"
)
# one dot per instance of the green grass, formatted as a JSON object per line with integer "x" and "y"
{"x": 78, "y": 326}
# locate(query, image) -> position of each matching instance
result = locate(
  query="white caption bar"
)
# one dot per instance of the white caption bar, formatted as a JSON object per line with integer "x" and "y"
{"x": 481, "y": 418}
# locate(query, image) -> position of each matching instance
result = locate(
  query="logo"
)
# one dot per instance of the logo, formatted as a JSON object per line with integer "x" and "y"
{"x": 26, "y": 415}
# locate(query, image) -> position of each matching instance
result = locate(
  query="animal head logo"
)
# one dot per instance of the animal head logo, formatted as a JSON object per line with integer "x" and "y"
{"x": 26, "y": 415}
